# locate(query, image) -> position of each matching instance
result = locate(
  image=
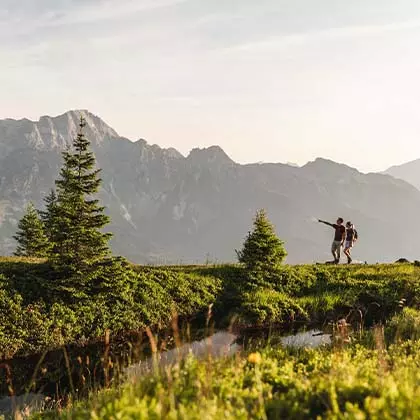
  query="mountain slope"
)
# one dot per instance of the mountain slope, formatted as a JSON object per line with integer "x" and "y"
{"x": 169, "y": 208}
{"x": 409, "y": 172}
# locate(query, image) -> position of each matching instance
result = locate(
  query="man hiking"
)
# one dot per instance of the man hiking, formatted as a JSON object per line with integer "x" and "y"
{"x": 339, "y": 236}
{"x": 351, "y": 238}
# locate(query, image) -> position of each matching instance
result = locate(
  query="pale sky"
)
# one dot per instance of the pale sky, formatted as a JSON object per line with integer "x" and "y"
{"x": 267, "y": 80}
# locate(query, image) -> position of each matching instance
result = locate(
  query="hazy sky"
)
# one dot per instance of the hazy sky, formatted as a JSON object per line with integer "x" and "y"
{"x": 268, "y": 80}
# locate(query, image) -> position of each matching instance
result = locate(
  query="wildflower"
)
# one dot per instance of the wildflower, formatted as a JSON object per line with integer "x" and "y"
{"x": 254, "y": 358}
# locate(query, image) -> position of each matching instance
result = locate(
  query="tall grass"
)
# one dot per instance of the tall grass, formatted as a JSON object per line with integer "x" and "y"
{"x": 271, "y": 382}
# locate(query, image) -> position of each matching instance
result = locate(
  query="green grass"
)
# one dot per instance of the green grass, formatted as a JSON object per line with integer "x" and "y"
{"x": 368, "y": 380}
{"x": 357, "y": 382}
{"x": 405, "y": 325}
{"x": 36, "y": 320}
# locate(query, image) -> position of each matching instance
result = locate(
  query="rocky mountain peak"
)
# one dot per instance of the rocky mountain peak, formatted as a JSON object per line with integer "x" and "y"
{"x": 210, "y": 155}
{"x": 49, "y": 133}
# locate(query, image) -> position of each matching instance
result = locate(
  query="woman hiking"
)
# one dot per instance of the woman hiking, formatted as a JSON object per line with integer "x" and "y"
{"x": 351, "y": 237}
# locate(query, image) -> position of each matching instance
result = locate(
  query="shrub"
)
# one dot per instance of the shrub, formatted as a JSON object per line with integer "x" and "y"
{"x": 267, "y": 306}
{"x": 405, "y": 325}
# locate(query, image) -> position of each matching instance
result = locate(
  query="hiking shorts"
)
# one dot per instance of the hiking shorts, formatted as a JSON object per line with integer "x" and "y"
{"x": 336, "y": 246}
{"x": 348, "y": 245}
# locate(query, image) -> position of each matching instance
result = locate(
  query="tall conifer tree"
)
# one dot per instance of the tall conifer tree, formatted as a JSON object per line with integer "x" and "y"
{"x": 78, "y": 219}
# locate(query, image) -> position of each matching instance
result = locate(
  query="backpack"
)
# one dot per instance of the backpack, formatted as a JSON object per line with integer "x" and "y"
{"x": 356, "y": 235}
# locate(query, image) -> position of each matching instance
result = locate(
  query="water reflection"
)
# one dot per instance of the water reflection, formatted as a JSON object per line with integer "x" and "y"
{"x": 218, "y": 345}
{"x": 312, "y": 339}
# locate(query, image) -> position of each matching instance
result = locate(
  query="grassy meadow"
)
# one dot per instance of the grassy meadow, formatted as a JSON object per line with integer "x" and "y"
{"x": 368, "y": 372}
{"x": 36, "y": 319}
{"x": 357, "y": 381}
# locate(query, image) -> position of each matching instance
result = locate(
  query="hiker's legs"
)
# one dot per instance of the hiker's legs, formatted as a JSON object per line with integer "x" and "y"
{"x": 348, "y": 255}
{"x": 347, "y": 251}
{"x": 338, "y": 252}
{"x": 335, "y": 251}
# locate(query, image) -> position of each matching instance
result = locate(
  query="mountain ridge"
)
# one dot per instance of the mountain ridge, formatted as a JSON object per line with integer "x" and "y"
{"x": 408, "y": 172}
{"x": 166, "y": 207}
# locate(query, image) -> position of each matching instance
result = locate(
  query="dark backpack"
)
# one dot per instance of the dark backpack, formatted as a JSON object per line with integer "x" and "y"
{"x": 356, "y": 235}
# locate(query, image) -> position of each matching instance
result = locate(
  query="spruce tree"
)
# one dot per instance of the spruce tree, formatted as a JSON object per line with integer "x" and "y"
{"x": 31, "y": 238}
{"x": 76, "y": 216}
{"x": 263, "y": 252}
{"x": 49, "y": 216}
{"x": 51, "y": 219}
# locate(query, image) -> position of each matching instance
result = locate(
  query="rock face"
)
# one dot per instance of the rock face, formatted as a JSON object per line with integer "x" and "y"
{"x": 167, "y": 208}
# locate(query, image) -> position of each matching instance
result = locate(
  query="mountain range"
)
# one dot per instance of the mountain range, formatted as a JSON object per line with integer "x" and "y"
{"x": 168, "y": 208}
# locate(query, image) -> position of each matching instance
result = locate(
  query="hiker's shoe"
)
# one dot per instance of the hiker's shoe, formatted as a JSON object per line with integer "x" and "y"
{"x": 336, "y": 261}
{"x": 349, "y": 260}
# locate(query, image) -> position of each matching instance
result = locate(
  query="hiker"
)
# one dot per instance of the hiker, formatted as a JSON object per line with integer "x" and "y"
{"x": 351, "y": 238}
{"x": 339, "y": 236}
